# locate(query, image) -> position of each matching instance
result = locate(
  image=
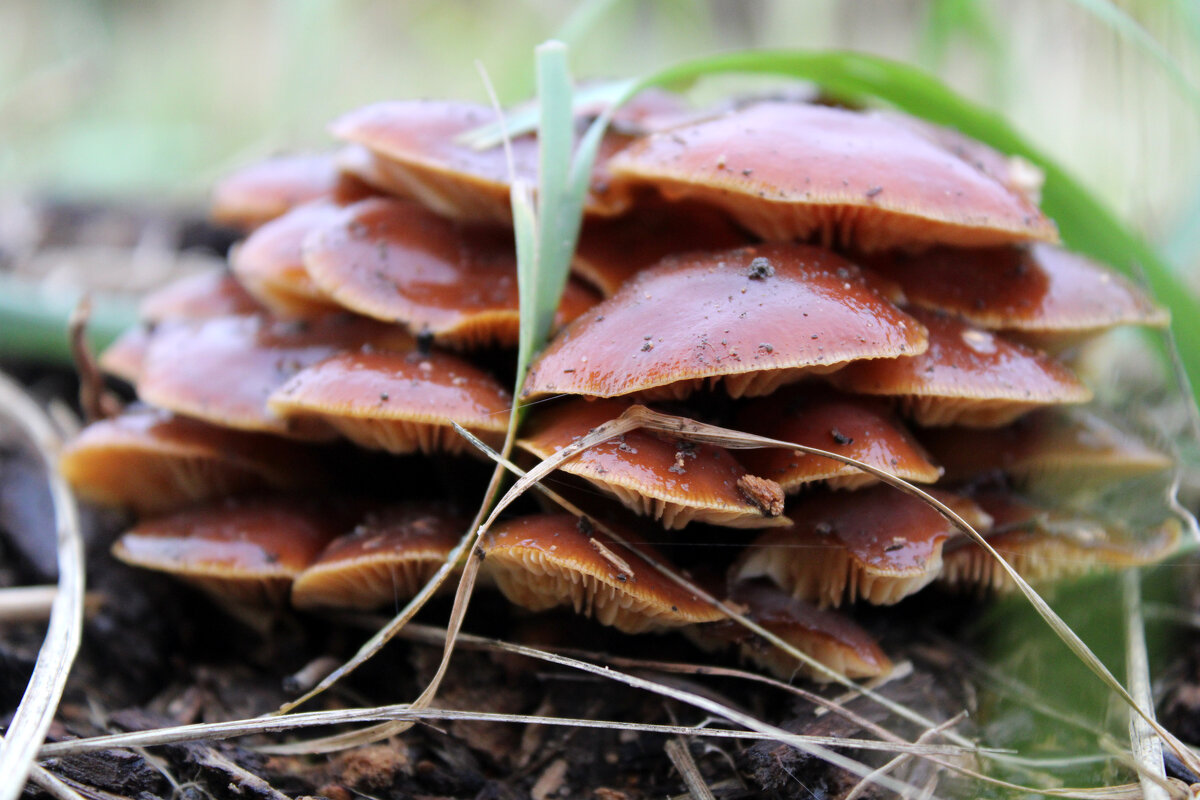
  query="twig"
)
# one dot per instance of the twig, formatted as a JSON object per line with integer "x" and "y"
{"x": 405, "y": 712}
{"x": 681, "y": 757}
{"x": 94, "y": 399}
{"x": 34, "y": 603}
{"x": 1145, "y": 744}
{"x": 862, "y": 785}
{"x": 40, "y": 701}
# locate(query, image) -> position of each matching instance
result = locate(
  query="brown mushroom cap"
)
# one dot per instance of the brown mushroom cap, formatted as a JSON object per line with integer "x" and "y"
{"x": 877, "y": 545}
{"x": 395, "y": 261}
{"x": 1015, "y": 173}
{"x": 546, "y": 560}
{"x": 261, "y": 192}
{"x": 1045, "y": 545}
{"x": 223, "y": 370}
{"x": 270, "y": 262}
{"x": 388, "y": 557}
{"x": 400, "y": 402}
{"x": 611, "y": 251}
{"x": 967, "y": 377}
{"x": 858, "y": 427}
{"x": 213, "y": 293}
{"x": 754, "y": 318}
{"x": 153, "y": 461}
{"x": 418, "y": 157}
{"x": 124, "y": 356}
{"x": 1051, "y": 447}
{"x": 1041, "y": 291}
{"x": 672, "y": 481}
{"x": 243, "y": 551}
{"x": 830, "y": 637}
{"x": 790, "y": 170}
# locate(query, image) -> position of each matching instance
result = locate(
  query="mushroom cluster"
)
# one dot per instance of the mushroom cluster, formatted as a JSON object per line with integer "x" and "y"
{"x": 854, "y": 281}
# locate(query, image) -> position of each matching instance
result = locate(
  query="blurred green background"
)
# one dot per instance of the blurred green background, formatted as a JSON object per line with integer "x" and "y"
{"x": 104, "y": 98}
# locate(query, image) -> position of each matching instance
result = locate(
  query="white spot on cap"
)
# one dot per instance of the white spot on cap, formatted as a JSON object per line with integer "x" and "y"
{"x": 979, "y": 341}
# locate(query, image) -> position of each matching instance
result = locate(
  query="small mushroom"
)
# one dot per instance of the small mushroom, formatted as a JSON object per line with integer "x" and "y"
{"x": 270, "y": 262}
{"x": 388, "y": 557}
{"x": 1045, "y": 295}
{"x": 1051, "y": 448}
{"x": 830, "y": 637}
{"x": 858, "y": 427}
{"x": 261, "y": 192}
{"x": 395, "y": 261}
{"x": 967, "y": 377}
{"x": 223, "y": 370}
{"x": 752, "y": 319}
{"x": 418, "y": 156}
{"x": 1044, "y": 545}
{"x": 242, "y": 551}
{"x": 877, "y": 545}
{"x": 848, "y": 178}
{"x": 548, "y": 560}
{"x": 400, "y": 402}
{"x": 153, "y": 461}
{"x": 673, "y": 481}
{"x": 203, "y": 295}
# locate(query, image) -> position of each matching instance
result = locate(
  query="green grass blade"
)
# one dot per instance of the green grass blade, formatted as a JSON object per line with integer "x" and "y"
{"x": 558, "y": 217}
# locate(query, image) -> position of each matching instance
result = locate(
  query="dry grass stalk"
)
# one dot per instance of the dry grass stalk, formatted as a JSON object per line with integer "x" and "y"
{"x": 1146, "y": 747}
{"x": 681, "y": 757}
{"x": 36, "y": 711}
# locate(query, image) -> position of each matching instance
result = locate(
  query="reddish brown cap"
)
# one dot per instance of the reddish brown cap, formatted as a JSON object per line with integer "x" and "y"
{"x": 1040, "y": 291}
{"x": 270, "y": 262}
{"x": 242, "y": 551}
{"x": 830, "y": 637}
{"x": 223, "y": 370}
{"x": 153, "y": 461}
{"x": 754, "y": 318}
{"x": 877, "y": 545}
{"x": 395, "y": 261}
{"x": 1051, "y": 447}
{"x": 967, "y": 377}
{"x": 855, "y": 179}
{"x": 1015, "y": 173}
{"x": 673, "y": 481}
{"x": 401, "y": 402}
{"x": 213, "y": 293}
{"x": 858, "y": 427}
{"x": 123, "y": 358}
{"x": 547, "y": 560}
{"x": 611, "y": 251}
{"x": 388, "y": 557}
{"x": 419, "y": 157}
{"x": 1045, "y": 545}
{"x": 261, "y": 192}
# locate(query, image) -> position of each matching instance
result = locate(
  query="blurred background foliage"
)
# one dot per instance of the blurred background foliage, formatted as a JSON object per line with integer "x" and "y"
{"x": 104, "y": 98}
